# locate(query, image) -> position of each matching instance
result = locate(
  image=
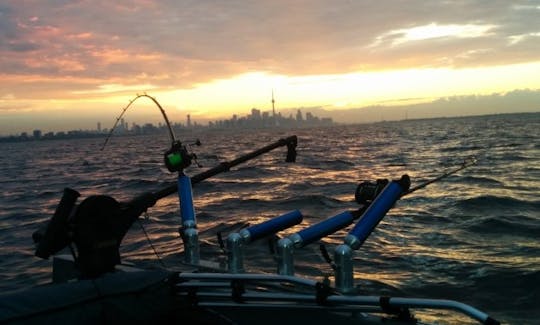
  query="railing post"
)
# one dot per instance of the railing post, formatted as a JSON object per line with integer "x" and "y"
{"x": 189, "y": 234}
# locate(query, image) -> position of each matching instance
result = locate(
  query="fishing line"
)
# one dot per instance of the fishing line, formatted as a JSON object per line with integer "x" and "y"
{"x": 151, "y": 244}
{"x": 367, "y": 191}
{"x": 171, "y": 133}
{"x": 470, "y": 161}
{"x": 173, "y": 141}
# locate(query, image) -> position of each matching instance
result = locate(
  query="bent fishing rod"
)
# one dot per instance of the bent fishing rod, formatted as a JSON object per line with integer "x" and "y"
{"x": 178, "y": 153}
{"x": 58, "y": 233}
{"x": 153, "y": 99}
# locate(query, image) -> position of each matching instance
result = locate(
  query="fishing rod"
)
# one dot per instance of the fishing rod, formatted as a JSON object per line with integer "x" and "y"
{"x": 367, "y": 191}
{"x": 178, "y": 151}
{"x": 102, "y": 219}
{"x": 291, "y": 143}
{"x": 171, "y": 133}
{"x": 470, "y": 161}
{"x": 376, "y": 199}
{"x": 177, "y": 158}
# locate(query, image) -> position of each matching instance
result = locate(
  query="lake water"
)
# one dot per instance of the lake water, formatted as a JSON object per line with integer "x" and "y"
{"x": 472, "y": 237}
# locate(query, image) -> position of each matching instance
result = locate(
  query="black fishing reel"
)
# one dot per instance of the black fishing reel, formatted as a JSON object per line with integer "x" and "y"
{"x": 96, "y": 226}
{"x": 177, "y": 158}
{"x": 367, "y": 191}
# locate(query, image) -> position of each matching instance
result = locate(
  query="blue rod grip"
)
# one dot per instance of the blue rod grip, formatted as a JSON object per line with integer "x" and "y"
{"x": 274, "y": 225}
{"x": 325, "y": 228}
{"x": 185, "y": 194}
{"x": 377, "y": 210}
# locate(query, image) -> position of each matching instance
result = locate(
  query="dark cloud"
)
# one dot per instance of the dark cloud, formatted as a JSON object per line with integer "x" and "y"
{"x": 523, "y": 100}
{"x": 180, "y": 43}
{"x": 8, "y": 25}
{"x": 21, "y": 46}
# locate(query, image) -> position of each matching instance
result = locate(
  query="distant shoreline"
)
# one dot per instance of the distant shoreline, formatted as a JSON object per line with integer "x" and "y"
{"x": 88, "y": 134}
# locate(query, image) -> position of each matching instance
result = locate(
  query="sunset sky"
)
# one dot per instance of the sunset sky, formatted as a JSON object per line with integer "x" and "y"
{"x": 67, "y": 64}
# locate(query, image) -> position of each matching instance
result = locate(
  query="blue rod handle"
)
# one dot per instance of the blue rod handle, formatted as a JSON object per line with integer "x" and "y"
{"x": 185, "y": 194}
{"x": 325, "y": 228}
{"x": 272, "y": 226}
{"x": 376, "y": 211}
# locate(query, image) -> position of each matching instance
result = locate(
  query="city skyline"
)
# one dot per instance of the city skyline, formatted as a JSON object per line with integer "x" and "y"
{"x": 526, "y": 100}
{"x": 257, "y": 119}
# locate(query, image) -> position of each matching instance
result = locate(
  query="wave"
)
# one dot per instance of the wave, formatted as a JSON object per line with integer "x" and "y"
{"x": 462, "y": 148}
{"x": 490, "y": 204}
{"x": 312, "y": 201}
{"x": 480, "y": 180}
{"x": 506, "y": 225}
{"x": 337, "y": 164}
{"x": 522, "y": 286}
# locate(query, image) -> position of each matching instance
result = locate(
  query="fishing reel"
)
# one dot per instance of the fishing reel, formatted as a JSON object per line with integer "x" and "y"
{"x": 367, "y": 191}
{"x": 177, "y": 158}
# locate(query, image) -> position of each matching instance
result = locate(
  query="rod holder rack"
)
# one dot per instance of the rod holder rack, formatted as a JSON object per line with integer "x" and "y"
{"x": 287, "y": 246}
{"x": 237, "y": 241}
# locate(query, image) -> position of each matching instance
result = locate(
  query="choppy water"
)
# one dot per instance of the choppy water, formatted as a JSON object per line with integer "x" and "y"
{"x": 473, "y": 237}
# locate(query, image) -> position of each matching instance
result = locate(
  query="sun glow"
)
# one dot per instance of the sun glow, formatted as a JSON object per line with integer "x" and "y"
{"x": 243, "y": 92}
{"x": 238, "y": 95}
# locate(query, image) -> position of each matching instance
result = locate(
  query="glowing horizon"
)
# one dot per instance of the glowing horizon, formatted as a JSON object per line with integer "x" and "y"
{"x": 237, "y": 95}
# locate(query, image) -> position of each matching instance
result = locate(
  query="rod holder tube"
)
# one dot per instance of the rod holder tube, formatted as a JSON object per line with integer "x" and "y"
{"x": 235, "y": 253}
{"x": 191, "y": 246}
{"x": 185, "y": 194}
{"x": 343, "y": 258}
{"x": 376, "y": 212}
{"x": 271, "y": 226}
{"x": 190, "y": 235}
{"x": 324, "y": 228}
{"x": 285, "y": 256}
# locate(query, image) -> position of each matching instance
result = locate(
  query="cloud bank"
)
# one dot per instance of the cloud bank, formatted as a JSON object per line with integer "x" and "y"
{"x": 58, "y": 48}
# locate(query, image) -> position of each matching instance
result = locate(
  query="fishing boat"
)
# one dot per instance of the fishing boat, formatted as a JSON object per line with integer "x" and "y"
{"x": 91, "y": 285}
